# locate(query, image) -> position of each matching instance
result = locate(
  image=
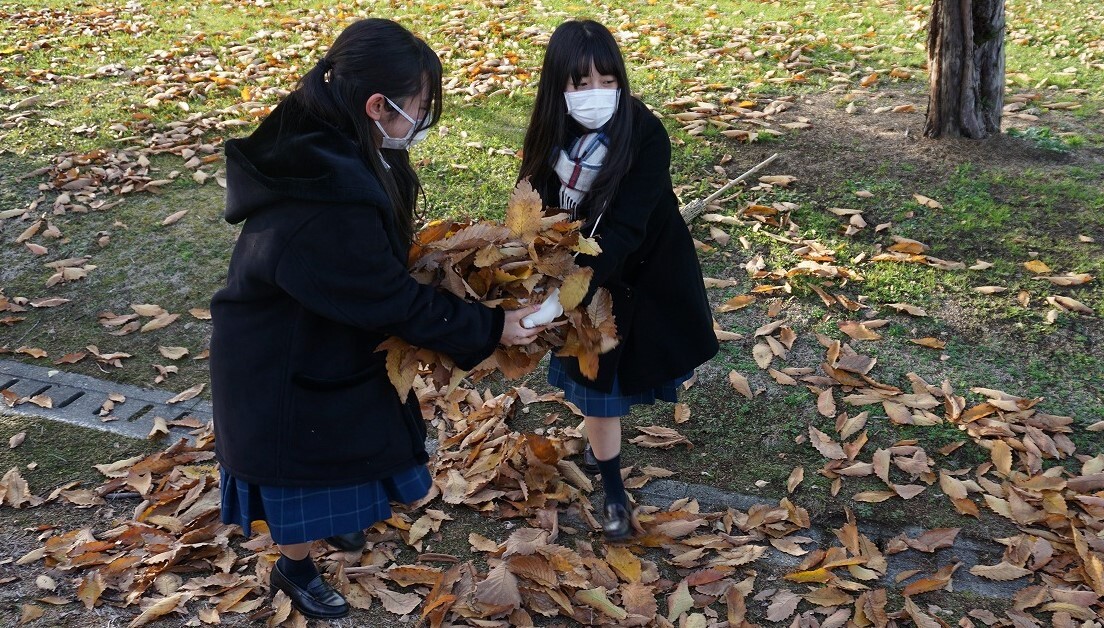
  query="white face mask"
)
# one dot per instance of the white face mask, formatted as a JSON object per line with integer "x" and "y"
{"x": 407, "y": 141}
{"x": 592, "y": 108}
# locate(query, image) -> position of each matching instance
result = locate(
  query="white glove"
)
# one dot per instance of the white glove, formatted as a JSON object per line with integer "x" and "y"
{"x": 548, "y": 311}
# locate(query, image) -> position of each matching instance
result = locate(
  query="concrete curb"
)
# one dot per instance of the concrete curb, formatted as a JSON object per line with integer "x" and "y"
{"x": 77, "y": 400}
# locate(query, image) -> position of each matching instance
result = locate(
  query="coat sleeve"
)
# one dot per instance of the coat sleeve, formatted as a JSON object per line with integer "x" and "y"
{"x": 341, "y": 265}
{"x": 624, "y": 225}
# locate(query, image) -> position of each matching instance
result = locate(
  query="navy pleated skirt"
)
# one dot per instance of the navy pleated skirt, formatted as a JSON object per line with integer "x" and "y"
{"x": 614, "y": 403}
{"x": 303, "y": 514}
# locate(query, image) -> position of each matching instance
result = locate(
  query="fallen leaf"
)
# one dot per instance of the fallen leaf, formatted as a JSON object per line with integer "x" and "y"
{"x": 1037, "y": 267}
{"x": 172, "y": 218}
{"x": 1001, "y": 571}
{"x": 739, "y": 384}
{"x": 796, "y": 476}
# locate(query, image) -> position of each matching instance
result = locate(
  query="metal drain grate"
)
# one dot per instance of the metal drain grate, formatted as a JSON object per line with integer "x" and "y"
{"x": 77, "y": 399}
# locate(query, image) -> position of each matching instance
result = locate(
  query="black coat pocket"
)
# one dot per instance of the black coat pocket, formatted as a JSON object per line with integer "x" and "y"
{"x": 351, "y": 426}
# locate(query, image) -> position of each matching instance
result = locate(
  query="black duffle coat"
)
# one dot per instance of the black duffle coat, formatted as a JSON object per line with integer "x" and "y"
{"x": 318, "y": 278}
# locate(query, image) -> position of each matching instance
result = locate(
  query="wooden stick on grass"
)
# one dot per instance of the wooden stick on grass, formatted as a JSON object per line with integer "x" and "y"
{"x": 694, "y": 209}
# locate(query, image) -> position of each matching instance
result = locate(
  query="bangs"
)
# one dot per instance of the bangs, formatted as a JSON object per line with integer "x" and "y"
{"x": 593, "y": 50}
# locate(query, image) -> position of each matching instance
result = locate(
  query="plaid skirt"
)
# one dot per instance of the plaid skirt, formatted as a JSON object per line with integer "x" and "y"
{"x": 596, "y": 403}
{"x": 303, "y": 514}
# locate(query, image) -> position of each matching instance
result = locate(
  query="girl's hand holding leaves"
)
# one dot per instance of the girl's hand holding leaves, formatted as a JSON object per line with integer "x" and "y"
{"x": 512, "y": 265}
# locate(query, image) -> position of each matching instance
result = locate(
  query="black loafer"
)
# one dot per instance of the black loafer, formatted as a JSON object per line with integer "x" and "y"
{"x": 617, "y": 523}
{"x": 590, "y": 463}
{"x": 318, "y": 600}
{"x": 351, "y": 542}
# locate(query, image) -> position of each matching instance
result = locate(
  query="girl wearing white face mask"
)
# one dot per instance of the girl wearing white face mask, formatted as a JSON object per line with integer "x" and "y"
{"x": 595, "y": 150}
{"x": 311, "y": 436}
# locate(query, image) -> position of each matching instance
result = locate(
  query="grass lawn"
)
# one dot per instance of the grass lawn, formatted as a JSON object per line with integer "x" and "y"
{"x": 839, "y": 90}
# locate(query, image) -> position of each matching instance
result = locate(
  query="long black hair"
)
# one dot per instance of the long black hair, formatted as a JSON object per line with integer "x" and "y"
{"x": 375, "y": 56}
{"x": 573, "y": 47}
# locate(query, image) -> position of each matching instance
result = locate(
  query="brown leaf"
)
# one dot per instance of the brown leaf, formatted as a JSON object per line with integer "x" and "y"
{"x": 159, "y": 608}
{"x": 825, "y": 445}
{"x": 1001, "y": 571}
{"x": 596, "y": 598}
{"x": 782, "y": 605}
{"x": 740, "y": 384}
{"x": 679, "y": 601}
{"x": 17, "y": 440}
{"x": 172, "y": 218}
{"x": 826, "y": 404}
{"x": 858, "y": 331}
{"x": 397, "y": 603}
{"x": 173, "y": 353}
{"x": 1070, "y": 304}
{"x": 735, "y": 303}
{"x": 929, "y": 342}
{"x": 1002, "y": 457}
{"x": 796, "y": 476}
{"x": 682, "y": 413}
{"x": 908, "y": 309}
{"x": 185, "y": 395}
{"x": 499, "y": 588}
{"x": 90, "y": 589}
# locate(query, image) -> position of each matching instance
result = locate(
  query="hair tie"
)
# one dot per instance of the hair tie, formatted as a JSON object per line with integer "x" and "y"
{"x": 325, "y": 64}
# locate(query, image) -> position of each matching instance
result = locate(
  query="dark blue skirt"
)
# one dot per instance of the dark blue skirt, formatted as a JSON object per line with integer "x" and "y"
{"x": 303, "y": 514}
{"x": 596, "y": 403}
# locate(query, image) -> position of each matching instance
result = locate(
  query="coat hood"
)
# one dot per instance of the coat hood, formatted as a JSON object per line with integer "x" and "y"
{"x": 295, "y": 155}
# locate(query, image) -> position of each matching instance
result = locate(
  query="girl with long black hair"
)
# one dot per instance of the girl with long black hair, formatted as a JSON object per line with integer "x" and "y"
{"x": 311, "y": 436}
{"x": 594, "y": 149}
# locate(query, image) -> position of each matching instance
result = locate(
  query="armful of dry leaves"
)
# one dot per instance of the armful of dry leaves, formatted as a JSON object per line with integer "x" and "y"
{"x": 512, "y": 265}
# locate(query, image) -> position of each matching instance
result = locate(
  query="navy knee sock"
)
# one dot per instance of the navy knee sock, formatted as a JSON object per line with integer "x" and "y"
{"x": 301, "y": 572}
{"x": 611, "y": 481}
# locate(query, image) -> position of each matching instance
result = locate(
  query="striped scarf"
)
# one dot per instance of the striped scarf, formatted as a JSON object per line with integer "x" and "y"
{"x": 578, "y": 167}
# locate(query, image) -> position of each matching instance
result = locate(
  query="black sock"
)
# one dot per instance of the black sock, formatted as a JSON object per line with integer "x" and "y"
{"x": 301, "y": 572}
{"x": 611, "y": 481}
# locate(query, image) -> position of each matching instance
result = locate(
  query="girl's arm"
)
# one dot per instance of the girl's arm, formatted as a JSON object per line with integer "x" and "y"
{"x": 341, "y": 266}
{"x": 624, "y": 223}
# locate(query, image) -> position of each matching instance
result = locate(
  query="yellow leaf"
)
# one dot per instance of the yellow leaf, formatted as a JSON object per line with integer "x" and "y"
{"x": 736, "y": 303}
{"x": 814, "y": 575}
{"x": 624, "y": 563}
{"x": 1037, "y": 267}
{"x": 523, "y": 213}
{"x": 575, "y": 287}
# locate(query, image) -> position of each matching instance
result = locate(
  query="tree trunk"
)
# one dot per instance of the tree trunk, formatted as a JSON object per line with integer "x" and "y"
{"x": 966, "y": 66}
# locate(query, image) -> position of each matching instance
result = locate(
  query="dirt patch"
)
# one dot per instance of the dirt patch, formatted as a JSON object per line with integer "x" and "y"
{"x": 844, "y": 145}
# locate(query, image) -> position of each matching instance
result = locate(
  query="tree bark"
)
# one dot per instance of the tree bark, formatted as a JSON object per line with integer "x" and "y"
{"x": 966, "y": 67}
